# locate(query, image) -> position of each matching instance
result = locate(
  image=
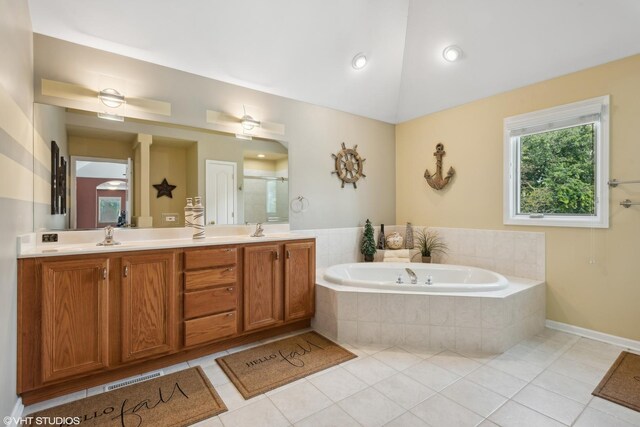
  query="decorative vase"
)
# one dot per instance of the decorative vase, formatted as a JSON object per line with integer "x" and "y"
{"x": 394, "y": 241}
{"x": 188, "y": 213}
{"x": 381, "y": 239}
{"x": 368, "y": 258}
{"x": 426, "y": 259}
{"x": 198, "y": 219}
{"x": 408, "y": 237}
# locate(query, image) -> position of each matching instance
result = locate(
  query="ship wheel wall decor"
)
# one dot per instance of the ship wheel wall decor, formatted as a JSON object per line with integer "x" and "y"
{"x": 435, "y": 180}
{"x": 348, "y": 165}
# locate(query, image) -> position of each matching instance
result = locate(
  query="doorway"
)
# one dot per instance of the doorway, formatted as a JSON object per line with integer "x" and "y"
{"x": 220, "y": 192}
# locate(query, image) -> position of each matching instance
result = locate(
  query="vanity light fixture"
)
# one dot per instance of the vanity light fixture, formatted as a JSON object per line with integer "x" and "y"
{"x": 111, "y": 98}
{"x": 249, "y": 122}
{"x": 108, "y": 116}
{"x": 359, "y": 61}
{"x": 262, "y": 156}
{"x": 244, "y": 136}
{"x": 452, "y": 53}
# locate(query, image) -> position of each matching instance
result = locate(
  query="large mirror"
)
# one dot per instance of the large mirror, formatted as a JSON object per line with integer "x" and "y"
{"x": 139, "y": 173}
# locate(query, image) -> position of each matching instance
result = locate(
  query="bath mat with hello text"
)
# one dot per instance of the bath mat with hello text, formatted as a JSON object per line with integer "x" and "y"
{"x": 179, "y": 399}
{"x": 263, "y": 368}
{"x": 621, "y": 384}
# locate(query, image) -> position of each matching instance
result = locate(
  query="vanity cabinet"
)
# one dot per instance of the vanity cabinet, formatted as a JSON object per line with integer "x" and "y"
{"x": 75, "y": 317}
{"x": 299, "y": 280}
{"x": 279, "y": 283}
{"x": 211, "y": 295}
{"x": 262, "y": 286}
{"x": 85, "y": 320}
{"x": 148, "y": 305}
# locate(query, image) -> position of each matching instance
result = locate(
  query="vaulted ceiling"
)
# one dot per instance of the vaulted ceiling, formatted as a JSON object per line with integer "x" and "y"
{"x": 303, "y": 49}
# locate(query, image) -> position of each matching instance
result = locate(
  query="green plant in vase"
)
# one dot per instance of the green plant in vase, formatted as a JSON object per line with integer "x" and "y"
{"x": 368, "y": 244}
{"x": 430, "y": 243}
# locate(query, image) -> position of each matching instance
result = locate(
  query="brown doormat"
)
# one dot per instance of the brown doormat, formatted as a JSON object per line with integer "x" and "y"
{"x": 179, "y": 399}
{"x": 621, "y": 384}
{"x": 263, "y": 368}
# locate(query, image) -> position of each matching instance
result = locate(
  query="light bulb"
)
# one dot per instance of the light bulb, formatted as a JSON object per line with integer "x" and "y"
{"x": 452, "y": 53}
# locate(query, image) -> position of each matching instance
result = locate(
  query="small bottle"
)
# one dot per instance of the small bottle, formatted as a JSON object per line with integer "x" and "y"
{"x": 198, "y": 219}
{"x": 188, "y": 213}
{"x": 381, "y": 239}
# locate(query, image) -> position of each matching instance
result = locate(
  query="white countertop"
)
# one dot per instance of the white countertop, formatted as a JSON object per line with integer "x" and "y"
{"x": 85, "y": 242}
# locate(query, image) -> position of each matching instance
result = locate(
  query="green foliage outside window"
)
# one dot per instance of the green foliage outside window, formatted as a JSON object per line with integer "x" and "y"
{"x": 557, "y": 171}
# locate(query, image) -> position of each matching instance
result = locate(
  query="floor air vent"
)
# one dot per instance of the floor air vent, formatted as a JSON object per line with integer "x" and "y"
{"x": 130, "y": 381}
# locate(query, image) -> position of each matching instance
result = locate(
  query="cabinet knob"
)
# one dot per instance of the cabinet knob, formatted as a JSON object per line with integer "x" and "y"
{"x": 288, "y": 254}
{"x": 277, "y": 255}
{"x": 230, "y": 269}
{"x": 230, "y": 289}
{"x": 229, "y": 314}
{"x": 126, "y": 271}
{"x": 104, "y": 273}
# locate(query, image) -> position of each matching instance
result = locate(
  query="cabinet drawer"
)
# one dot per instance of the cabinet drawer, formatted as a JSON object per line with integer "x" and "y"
{"x": 210, "y": 258}
{"x": 210, "y": 301}
{"x": 196, "y": 280}
{"x": 210, "y": 328}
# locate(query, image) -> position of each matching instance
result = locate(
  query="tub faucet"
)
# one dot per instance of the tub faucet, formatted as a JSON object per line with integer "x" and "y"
{"x": 412, "y": 276}
{"x": 259, "y": 231}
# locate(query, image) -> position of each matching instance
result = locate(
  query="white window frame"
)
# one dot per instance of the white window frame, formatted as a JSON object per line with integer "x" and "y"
{"x": 547, "y": 120}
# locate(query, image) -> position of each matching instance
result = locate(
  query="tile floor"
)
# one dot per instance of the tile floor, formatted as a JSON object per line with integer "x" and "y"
{"x": 542, "y": 381}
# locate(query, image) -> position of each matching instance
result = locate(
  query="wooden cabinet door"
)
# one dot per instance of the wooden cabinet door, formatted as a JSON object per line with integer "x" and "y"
{"x": 149, "y": 304}
{"x": 262, "y": 286}
{"x": 299, "y": 280}
{"x": 75, "y": 311}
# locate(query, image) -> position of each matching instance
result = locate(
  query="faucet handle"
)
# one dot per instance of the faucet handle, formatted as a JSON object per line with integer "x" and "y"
{"x": 108, "y": 232}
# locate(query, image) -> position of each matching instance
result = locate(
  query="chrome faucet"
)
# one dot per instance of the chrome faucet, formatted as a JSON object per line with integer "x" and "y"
{"x": 108, "y": 237}
{"x": 412, "y": 276}
{"x": 259, "y": 231}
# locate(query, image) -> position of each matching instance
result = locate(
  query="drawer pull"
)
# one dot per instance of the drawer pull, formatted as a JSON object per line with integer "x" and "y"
{"x": 230, "y": 289}
{"x": 229, "y": 269}
{"x": 229, "y": 314}
{"x": 228, "y": 250}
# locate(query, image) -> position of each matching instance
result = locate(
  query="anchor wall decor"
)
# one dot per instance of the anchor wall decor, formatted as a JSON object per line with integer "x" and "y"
{"x": 436, "y": 181}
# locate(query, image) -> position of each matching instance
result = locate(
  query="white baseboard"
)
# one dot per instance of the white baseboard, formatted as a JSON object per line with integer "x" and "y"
{"x": 18, "y": 409}
{"x": 594, "y": 335}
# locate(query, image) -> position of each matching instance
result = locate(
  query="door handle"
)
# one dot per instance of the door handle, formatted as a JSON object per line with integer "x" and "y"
{"x": 104, "y": 273}
{"x": 277, "y": 255}
{"x": 288, "y": 254}
{"x": 126, "y": 271}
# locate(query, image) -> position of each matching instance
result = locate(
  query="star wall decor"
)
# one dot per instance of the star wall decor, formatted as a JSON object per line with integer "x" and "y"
{"x": 164, "y": 189}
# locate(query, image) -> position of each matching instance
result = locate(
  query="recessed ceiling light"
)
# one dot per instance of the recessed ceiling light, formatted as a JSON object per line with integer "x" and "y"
{"x": 262, "y": 156}
{"x": 452, "y": 53}
{"x": 359, "y": 61}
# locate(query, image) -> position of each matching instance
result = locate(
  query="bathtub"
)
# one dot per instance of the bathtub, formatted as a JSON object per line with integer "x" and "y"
{"x": 436, "y": 278}
{"x": 464, "y": 309}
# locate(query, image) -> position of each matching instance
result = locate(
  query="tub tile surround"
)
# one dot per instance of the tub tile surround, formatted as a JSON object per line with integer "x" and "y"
{"x": 511, "y": 253}
{"x": 475, "y": 324}
{"x": 469, "y": 324}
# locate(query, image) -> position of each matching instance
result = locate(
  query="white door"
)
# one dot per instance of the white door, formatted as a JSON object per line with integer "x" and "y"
{"x": 220, "y": 190}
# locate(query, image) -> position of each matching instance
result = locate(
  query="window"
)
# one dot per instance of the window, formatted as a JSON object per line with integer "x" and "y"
{"x": 556, "y": 166}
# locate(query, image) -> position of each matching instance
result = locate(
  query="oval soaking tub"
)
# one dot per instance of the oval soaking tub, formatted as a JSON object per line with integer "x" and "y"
{"x": 431, "y": 277}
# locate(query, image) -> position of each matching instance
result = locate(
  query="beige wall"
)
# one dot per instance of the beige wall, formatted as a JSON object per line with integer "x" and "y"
{"x": 103, "y": 148}
{"x": 260, "y": 165}
{"x": 170, "y": 163}
{"x": 16, "y": 174}
{"x": 48, "y": 125}
{"x": 593, "y": 275}
{"x": 312, "y": 132}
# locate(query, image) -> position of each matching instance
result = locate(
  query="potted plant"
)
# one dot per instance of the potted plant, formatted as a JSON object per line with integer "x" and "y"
{"x": 429, "y": 243}
{"x": 368, "y": 245}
